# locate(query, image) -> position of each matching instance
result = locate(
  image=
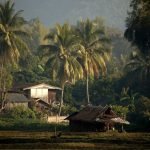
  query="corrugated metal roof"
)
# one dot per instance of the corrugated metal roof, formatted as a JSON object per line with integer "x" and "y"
{"x": 42, "y": 85}
{"x": 19, "y": 87}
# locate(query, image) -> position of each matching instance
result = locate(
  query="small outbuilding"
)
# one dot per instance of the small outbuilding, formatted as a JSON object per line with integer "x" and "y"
{"x": 16, "y": 99}
{"x": 94, "y": 118}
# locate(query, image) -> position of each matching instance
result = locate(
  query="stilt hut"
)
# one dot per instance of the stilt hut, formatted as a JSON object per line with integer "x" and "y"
{"x": 93, "y": 118}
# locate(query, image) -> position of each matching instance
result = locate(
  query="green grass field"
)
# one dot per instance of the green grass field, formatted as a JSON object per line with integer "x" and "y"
{"x": 70, "y": 140}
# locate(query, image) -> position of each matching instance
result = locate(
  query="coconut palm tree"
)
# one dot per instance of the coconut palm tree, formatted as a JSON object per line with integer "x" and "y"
{"x": 93, "y": 49}
{"x": 10, "y": 24}
{"x": 62, "y": 57}
{"x": 139, "y": 65}
{"x": 10, "y": 36}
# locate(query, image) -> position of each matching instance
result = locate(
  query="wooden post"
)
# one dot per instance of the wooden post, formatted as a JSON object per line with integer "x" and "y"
{"x": 107, "y": 126}
{"x": 122, "y": 129}
{"x": 56, "y": 125}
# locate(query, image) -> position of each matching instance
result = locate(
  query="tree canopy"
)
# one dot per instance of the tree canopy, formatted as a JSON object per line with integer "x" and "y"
{"x": 138, "y": 25}
{"x": 93, "y": 47}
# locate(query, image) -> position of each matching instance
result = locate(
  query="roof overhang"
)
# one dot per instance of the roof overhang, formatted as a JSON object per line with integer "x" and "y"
{"x": 119, "y": 120}
{"x": 43, "y": 102}
{"x": 43, "y": 86}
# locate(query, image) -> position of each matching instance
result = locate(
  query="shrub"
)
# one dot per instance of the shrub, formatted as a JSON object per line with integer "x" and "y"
{"x": 141, "y": 116}
{"x": 66, "y": 109}
{"x": 21, "y": 112}
{"x": 120, "y": 110}
{"x": 30, "y": 125}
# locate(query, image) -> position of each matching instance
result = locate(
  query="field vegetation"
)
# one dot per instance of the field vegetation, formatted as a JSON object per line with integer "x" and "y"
{"x": 70, "y": 140}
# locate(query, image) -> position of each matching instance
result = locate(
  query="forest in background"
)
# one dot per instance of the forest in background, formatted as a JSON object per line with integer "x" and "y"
{"x": 126, "y": 83}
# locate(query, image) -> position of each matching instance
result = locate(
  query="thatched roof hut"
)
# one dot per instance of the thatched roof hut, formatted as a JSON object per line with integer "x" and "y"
{"x": 93, "y": 118}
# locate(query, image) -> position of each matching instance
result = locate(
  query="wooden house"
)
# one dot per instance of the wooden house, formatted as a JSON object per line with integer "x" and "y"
{"x": 16, "y": 99}
{"x": 94, "y": 118}
{"x": 41, "y": 91}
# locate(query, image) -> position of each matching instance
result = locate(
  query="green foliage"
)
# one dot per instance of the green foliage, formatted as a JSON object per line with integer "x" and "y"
{"x": 29, "y": 125}
{"x": 102, "y": 91}
{"x": 138, "y": 25}
{"x": 79, "y": 93}
{"x": 66, "y": 109}
{"x": 143, "y": 107}
{"x": 120, "y": 110}
{"x": 116, "y": 66}
{"x": 10, "y": 23}
{"x": 94, "y": 49}
{"x": 6, "y": 74}
{"x": 28, "y": 76}
{"x": 141, "y": 115}
{"x": 12, "y": 46}
{"x": 19, "y": 112}
{"x": 138, "y": 70}
{"x": 62, "y": 57}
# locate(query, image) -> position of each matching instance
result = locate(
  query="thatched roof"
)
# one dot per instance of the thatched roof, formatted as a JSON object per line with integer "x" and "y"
{"x": 93, "y": 114}
{"x": 16, "y": 97}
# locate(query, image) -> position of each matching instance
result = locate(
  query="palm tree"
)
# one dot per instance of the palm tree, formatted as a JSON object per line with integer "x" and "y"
{"x": 138, "y": 72}
{"x": 128, "y": 98}
{"x": 62, "y": 57}
{"x": 139, "y": 65}
{"x": 93, "y": 49}
{"x": 10, "y": 36}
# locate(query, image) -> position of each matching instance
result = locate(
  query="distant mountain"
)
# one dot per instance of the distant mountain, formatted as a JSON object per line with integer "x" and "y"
{"x": 50, "y": 12}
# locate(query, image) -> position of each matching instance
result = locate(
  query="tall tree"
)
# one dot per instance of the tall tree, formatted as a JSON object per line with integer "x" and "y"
{"x": 62, "y": 57}
{"x": 10, "y": 32}
{"x": 138, "y": 25}
{"x": 94, "y": 49}
{"x": 138, "y": 32}
{"x": 138, "y": 72}
{"x": 139, "y": 64}
{"x": 10, "y": 24}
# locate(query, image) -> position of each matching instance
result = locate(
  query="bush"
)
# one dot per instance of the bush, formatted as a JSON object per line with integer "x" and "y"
{"x": 21, "y": 112}
{"x": 141, "y": 116}
{"x": 66, "y": 109}
{"x": 121, "y": 111}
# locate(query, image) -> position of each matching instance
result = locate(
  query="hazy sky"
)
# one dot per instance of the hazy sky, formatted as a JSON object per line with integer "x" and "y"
{"x": 51, "y": 12}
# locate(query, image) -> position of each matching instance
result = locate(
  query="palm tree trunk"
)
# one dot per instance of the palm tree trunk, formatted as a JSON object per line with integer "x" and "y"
{"x": 2, "y": 87}
{"x": 1, "y": 75}
{"x": 87, "y": 89}
{"x": 61, "y": 101}
{"x": 87, "y": 83}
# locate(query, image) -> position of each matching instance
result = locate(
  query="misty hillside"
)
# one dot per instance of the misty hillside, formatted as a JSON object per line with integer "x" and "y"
{"x": 50, "y": 12}
{"x": 120, "y": 45}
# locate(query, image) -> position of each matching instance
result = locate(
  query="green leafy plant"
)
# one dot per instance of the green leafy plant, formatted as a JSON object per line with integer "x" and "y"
{"x": 21, "y": 112}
